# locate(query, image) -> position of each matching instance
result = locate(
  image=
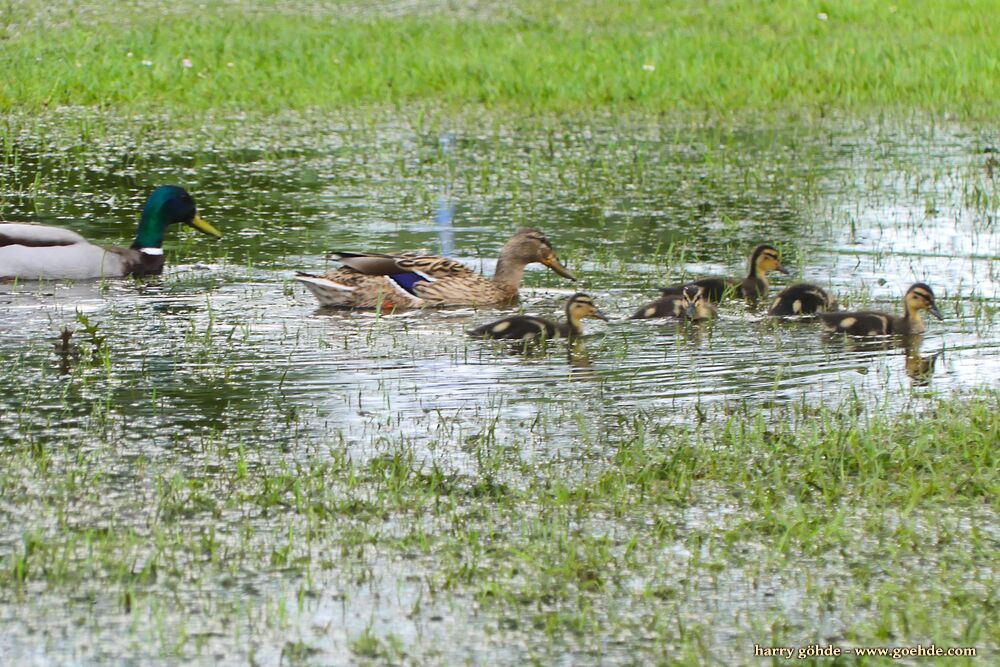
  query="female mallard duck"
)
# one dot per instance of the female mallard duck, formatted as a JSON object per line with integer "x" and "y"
{"x": 764, "y": 259}
{"x": 37, "y": 252}
{"x": 411, "y": 280}
{"x": 692, "y": 303}
{"x": 526, "y": 327}
{"x": 802, "y": 299}
{"x": 869, "y": 323}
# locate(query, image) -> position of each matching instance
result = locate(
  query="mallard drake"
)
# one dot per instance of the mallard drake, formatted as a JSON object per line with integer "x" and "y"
{"x": 802, "y": 299}
{"x": 764, "y": 259}
{"x": 870, "y": 323}
{"x": 36, "y": 252}
{"x": 412, "y": 280}
{"x": 692, "y": 303}
{"x": 527, "y": 327}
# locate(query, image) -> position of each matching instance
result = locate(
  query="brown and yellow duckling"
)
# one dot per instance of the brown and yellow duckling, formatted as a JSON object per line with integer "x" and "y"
{"x": 802, "y": 299}
{"x": 764, "y": 259}
{"x": 692, "y": 303}
{"x": 871, "y": 323}
{"x": 413, "y": 280}
{"x": 527, "y": 327}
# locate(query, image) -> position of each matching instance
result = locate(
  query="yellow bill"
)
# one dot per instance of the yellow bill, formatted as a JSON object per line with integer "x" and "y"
{"x": 199, "y": 223}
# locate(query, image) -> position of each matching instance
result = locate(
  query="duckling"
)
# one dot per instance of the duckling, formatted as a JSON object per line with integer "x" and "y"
{"x": 802, "y": 299}
{"x": 527, "y": 327}
{"x": 37, "y": 252}
{"x": 870, "y": 323}
{"x": 672, "y": 305}
{"x": 698, "y": 307}
{"x": 692, "y": 303}
{"x": 412, "y": 280}
{"x": 764, "y": 259}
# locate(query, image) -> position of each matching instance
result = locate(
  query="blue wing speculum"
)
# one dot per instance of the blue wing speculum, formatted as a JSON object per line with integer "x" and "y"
{"x": 407, "y": 281}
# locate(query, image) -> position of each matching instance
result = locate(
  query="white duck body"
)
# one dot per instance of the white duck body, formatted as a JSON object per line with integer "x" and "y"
{"x": 37, "y": 252}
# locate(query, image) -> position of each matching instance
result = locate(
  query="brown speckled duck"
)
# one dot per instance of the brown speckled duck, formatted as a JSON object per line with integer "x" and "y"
{"x": 871, "y": 323}
{"x": 527, "y": 327}
{"x": 412, "y": 280}
{"x": 764, "y": 259}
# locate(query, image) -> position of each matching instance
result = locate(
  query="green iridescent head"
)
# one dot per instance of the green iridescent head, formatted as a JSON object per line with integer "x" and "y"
{"x": 168, "y": 205}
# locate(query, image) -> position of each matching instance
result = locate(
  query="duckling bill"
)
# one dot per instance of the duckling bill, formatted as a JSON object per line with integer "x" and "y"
{"x": 39, "y": 252}
{"x": 526, "y": 327}
{"x": 918, "y": 298}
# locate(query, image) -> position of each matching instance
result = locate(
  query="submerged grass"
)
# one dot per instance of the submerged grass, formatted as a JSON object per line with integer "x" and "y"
{"x": 643, "y": 542}
{"x": 718, "y": 57}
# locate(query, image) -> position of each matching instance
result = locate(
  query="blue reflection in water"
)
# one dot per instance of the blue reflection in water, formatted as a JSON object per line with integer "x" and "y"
{"x": 446, "y": 209}
{"x": 445, "y": 213}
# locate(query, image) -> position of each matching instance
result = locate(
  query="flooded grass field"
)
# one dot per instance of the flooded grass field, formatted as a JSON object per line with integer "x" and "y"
{"x": 214, "y": 470}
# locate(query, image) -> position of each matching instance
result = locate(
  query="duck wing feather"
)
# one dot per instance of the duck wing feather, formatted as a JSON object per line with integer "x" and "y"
{"x": 377, "y": 264}
{"x": 36, "y": 236}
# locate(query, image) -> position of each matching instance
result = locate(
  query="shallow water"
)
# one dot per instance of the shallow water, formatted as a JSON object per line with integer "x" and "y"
{"x": 225, "y": 347}
{"x": 864, "y": 211}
